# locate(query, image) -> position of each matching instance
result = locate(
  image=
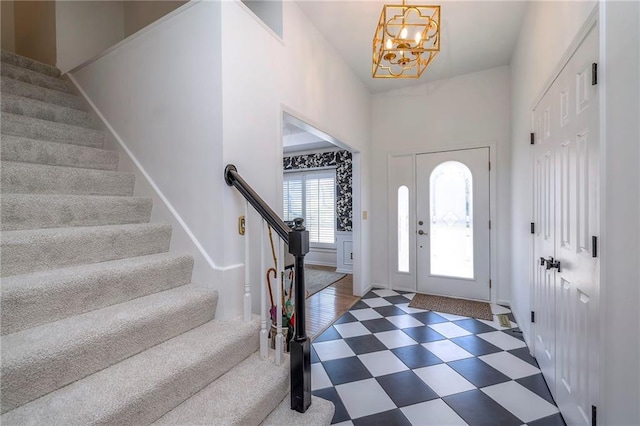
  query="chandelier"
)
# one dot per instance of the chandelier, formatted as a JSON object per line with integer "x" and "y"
{"x": 406, "y": 40}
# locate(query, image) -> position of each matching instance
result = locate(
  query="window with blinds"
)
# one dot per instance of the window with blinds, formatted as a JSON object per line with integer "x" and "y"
{"x": 312, "y": 195}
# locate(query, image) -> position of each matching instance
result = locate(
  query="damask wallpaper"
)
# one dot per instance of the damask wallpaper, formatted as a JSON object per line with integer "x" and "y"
{"x": 344, "y": 180}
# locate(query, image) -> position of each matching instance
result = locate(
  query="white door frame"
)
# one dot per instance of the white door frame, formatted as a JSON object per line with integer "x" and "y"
{"x": 392, "y": 207}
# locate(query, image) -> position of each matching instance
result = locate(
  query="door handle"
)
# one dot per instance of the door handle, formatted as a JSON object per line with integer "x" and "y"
{"x": 421, "y": 232}
{"x": 542, "y": 261}
{"x": 551, "y": 263}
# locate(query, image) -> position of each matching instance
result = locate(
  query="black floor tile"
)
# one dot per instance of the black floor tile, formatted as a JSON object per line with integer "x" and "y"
{"x": 476, "y": 345}
{"x": 346, "y": 370}
{"x": 405, "y": 388}
{"x": 314, "y": 356}
{"x": 474, "y": 326}
{"x": 330, "y": 394}
{"x": 396, "y": 299}
{"x": 477, "y": 409}
{"x": 429, "y": 317}
{"x": 479, "y": 373}
{"x": 512, "y": 318}
{"x": 387, "y": 418}
{"x": 553, "y": 420}
{"x": 370, "y": 295}
{"x": 389, "y": 311}
{"x": 537, "y": 385}
{"x": 329, "y": 334}
{"x": 514, "y": 332}
{"x": 378, "y": 325}
{"x": 416, "y": 356}
{"x": 523, "y": 354}
{"x": 345, "y": 318}
{"x": 423, "y": 334}
{"x": 365, "y": 344}
{"x": 359, "y": 305}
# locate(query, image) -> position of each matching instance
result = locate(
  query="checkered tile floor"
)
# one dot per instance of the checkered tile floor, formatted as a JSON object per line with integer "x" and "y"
{"x": 383, "y": 363}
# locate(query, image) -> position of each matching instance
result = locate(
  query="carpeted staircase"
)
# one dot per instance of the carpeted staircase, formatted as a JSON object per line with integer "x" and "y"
{"x": 100, "y": 322}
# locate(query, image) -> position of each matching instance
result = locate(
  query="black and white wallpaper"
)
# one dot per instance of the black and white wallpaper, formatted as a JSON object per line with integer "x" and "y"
{"x": 344, "y": 180}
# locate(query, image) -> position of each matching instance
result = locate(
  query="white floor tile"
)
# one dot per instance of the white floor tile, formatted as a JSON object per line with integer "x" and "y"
{"x": 510, "y": 365}
{"x": 351, "y": 329}
{"x": 364, "y": 397}
{"x": 432, "y": 413}
{"x": 497, "y": 309}
{"x": 376, "y": 302}
{"x": 450, "y": 330}
{"x": 444, "y": 380}
{"x": 523, "y": 403}
{"x": 405, "y": 307}
{"x": 451, "y": 317}
{"x": 409, "y": 296}
{"x": 347, "y": 423}
{"x": 382, "y": 362}
{"x": 495, "y": 324}
{"x": 319, "y": 378}
{"x": 502, "y": 340}
{"x": 405, "y": 321}
{"x": 333, "y": 349}
{"x": 447, "y": 351}
{"x": 383, "y": 292}
{"x": 365, "y": 314}
{"x": 395, "y": 339}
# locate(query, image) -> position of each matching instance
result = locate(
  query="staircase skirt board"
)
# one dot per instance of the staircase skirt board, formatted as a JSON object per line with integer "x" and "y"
{"x": 26, "y": 178}
{"x": 36, "y": 78}
{"x": 16, "y": 87}
{"x": 33, "y": 65}
{"x": 24, "y": 150}
{"x": 34, "y": 108}
{"x": 36, "y": 250}
{"x": 35, "y": 299}
{"x": 35, "y": 128}
{"x": 140, "y": 389}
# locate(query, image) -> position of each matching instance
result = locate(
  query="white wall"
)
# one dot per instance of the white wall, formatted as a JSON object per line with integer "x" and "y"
{"x": 139, "y": 14}
{"x": 620, "y": 210}
{"x": 547, "y": 31}
{"x": 460, "y": 112}
{"x": 85, "y": 29}
{"x": 301, "y": 74}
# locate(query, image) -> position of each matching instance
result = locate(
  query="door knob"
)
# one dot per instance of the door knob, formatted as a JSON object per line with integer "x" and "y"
{"x": 554, "y": 263}
{"x": 420, "y": 232}
{"x": 542, "y": 261}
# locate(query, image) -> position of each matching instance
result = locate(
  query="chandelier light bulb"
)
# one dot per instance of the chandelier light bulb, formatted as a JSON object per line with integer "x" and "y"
{"x": 418, "y": 37}
{"x": 389, "y": 44}
{"x": 403, "y": 32}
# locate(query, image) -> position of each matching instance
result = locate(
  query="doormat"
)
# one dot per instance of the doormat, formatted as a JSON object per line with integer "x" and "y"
{"x": 503, "y": 319}
{"x": 449, "y": 305}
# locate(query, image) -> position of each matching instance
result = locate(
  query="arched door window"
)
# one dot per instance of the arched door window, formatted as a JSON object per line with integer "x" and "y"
{"x": 403, "y": 229}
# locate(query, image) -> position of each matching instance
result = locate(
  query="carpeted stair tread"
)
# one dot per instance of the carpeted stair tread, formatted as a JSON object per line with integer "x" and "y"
{"x": 35, "y": 299}
{"x": 28, "y": 211}
{"x": 37, "y": 79}
{"x": 23, "y": 62}
{"x": 140, "y": 389}
{"x": 33, "y": 250}
{"x": 320, "y": 413}
{"x": 29, "y": 178}
{"x": 35, "y": 128}
{"x": 25, "y": 150}
{"x": 16, "y": 87}
{"x": 261, "y": 383}
{"x": 42, "y": 359}
{"x": 20, "y": 105}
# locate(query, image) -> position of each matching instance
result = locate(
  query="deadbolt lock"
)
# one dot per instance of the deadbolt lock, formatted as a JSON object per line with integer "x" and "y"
{"x": 420, "y": 222}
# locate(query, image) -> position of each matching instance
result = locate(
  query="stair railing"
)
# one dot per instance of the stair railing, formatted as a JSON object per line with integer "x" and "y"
{"x": 297, "y": 238}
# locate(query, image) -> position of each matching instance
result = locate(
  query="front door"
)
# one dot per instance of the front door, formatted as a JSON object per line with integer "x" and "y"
{"x": 453, "y": 225}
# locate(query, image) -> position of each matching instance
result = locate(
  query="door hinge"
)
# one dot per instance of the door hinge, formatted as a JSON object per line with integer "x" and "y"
{"x": 594, "y": 246}
{"x": 489, "y": 224}
{"x": 490, "y": 284}
{"x": 594, "y": 74}
{"x": 533, "y": 139}
{"x": 489, "y": 165}
{"x": 533, "y": 228}
{"x": 533, "y": 317}
{"x": 594, "y": 415}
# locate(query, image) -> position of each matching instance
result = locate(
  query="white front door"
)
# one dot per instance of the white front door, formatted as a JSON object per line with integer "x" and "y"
{"x": 452, "y": 242}
{"x": 568, "y": 296}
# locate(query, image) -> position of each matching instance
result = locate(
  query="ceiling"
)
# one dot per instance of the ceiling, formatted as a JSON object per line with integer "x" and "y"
{"x": 296, "y": 139}
{"x": 475, "y": 35}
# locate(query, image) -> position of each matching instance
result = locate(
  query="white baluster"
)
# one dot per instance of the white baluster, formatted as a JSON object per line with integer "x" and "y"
{"x": 279, "y": 340}
{"x": 247, "y": 266}
{"x": 264, "y": 344}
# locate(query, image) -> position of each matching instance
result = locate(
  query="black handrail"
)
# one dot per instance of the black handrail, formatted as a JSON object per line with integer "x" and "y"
{"x": 297, "y": 238}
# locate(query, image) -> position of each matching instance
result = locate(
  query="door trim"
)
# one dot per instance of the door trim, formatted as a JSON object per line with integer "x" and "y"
{"x": 493, "y": 206}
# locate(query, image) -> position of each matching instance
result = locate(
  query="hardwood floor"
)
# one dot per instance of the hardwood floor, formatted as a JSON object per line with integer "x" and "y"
{"x": 327, "y": 305}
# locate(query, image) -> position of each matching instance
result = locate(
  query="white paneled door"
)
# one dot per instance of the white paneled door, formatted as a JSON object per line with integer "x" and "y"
{"x": 452, "y": 242}
{"x": 566, "y": 188}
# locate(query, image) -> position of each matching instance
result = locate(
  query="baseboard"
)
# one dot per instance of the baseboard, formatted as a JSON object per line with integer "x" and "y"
{"x": 315, "y": 263}
{"x": 344, "y": 271}
{"x": 504, "y": 303}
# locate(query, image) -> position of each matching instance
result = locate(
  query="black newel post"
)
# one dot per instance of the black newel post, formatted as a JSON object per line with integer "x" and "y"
{"x": 300, "y": 347}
